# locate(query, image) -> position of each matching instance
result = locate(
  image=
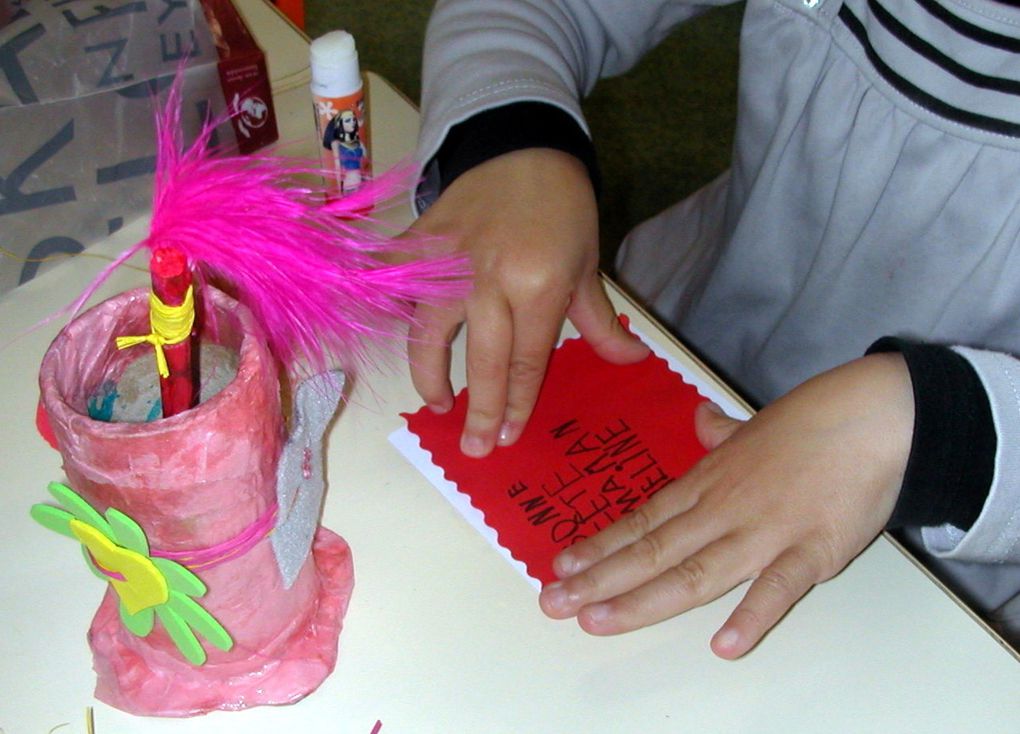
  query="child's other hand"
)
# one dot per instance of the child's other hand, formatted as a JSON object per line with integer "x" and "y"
{"x": 529, "y": 224}
{"x": 787, "y": 499}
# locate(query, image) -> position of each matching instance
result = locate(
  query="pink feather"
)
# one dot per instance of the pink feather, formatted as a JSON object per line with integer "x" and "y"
{"x": 309, "y": 270}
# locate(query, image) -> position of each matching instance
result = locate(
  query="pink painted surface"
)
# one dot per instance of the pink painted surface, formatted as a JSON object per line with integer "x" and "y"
{"x": 191, "y": 481}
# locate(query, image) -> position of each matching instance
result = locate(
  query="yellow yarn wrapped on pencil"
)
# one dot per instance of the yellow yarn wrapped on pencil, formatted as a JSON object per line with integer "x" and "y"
{"x": 170, "y": 325}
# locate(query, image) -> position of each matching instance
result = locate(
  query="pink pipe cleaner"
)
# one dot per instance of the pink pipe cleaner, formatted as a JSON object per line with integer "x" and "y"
{"x": 205, "y": 558}
{"x": 312, "y": 272}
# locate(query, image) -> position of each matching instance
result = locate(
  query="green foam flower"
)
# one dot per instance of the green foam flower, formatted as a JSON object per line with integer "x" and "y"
{"x": 117, "y": 551}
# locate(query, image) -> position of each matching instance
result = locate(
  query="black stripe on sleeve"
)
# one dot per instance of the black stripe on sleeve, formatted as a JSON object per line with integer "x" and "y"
{"x": 952, "y": 458}
{"x": 511, "y": 127}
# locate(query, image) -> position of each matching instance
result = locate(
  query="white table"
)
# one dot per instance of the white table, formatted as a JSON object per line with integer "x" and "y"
{"x": 442, "y": 634}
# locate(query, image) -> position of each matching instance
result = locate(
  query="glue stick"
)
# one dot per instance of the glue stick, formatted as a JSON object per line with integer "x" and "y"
{"x": 340, "y": 117}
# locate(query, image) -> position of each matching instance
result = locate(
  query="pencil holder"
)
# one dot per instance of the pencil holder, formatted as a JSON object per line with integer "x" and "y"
{"x": 192, "y": 565}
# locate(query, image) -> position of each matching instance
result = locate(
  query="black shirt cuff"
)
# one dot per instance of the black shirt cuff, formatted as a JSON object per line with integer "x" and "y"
{"x": 512, "y": 127}
{"x": 952, "y": 458}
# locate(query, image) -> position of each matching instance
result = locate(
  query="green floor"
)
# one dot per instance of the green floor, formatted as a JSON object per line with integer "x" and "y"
{"x": 648, "y": 160}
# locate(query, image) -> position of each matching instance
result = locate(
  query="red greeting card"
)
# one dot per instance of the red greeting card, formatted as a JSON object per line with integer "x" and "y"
{"x": 603, "y": 439}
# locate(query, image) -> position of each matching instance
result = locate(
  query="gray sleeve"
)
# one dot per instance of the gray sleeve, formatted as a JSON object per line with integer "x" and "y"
{"x": 481, "y": 54}
{"x": 995, "y": 535}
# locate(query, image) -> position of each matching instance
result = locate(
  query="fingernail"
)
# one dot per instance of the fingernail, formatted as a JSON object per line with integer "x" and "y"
{"x": 439, "y": 408}
{"x": 556, "y": 599}
{"x": 597, "y": 613}
{"x": 727, "y": 640}
{"x": 554, "y": 596}
{"x": 565, "y": 564}
{"x": 473, "y": 446}
{"x": 507, "y": 434}
{"x": 709, "y": 405}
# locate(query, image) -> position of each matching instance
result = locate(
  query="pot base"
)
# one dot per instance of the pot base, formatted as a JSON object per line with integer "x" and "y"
{"x": 171, "y": 687}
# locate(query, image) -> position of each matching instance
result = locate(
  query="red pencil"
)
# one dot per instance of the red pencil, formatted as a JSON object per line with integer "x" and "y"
{"x": 171, "y": 278}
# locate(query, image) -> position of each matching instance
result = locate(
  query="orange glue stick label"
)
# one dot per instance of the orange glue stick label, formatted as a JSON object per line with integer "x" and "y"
{"x": 343, "y": 141}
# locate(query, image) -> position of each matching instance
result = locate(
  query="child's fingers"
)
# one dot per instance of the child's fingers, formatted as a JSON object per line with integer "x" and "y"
{"x": 674, "y": 499}
{"x": 593, "y": 315}
{"x": 489, "y": 342}
{"x": 428, "y": 352}
{"x": 536, "y": 328}
{"x": 697, "y": 579}
{"x": 771, "y": 595}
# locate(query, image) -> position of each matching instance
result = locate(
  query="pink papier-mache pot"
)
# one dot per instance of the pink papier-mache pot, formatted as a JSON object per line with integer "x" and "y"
{"x": 198, "y": 480}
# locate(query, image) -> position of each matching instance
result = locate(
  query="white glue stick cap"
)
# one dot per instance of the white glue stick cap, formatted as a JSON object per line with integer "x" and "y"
{"x": 334, "y": 62}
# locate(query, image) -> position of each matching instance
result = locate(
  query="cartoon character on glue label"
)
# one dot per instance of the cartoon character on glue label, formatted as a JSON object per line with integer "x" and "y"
{"x": 343, "y": 137}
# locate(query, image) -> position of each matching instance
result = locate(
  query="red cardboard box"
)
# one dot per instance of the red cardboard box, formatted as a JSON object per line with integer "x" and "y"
{"x": 243, "y": 76}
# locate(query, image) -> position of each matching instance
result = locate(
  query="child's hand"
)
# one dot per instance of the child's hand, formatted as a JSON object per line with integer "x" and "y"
{"x": 528, "y": 221}
{"x": 786, "y": 499}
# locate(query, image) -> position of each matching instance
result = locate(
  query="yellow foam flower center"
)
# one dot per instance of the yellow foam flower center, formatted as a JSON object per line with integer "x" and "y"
{"x": 134, "y": 577}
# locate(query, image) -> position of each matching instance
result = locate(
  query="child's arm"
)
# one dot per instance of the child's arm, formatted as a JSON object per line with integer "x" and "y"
{"x": 527, "y": 219}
